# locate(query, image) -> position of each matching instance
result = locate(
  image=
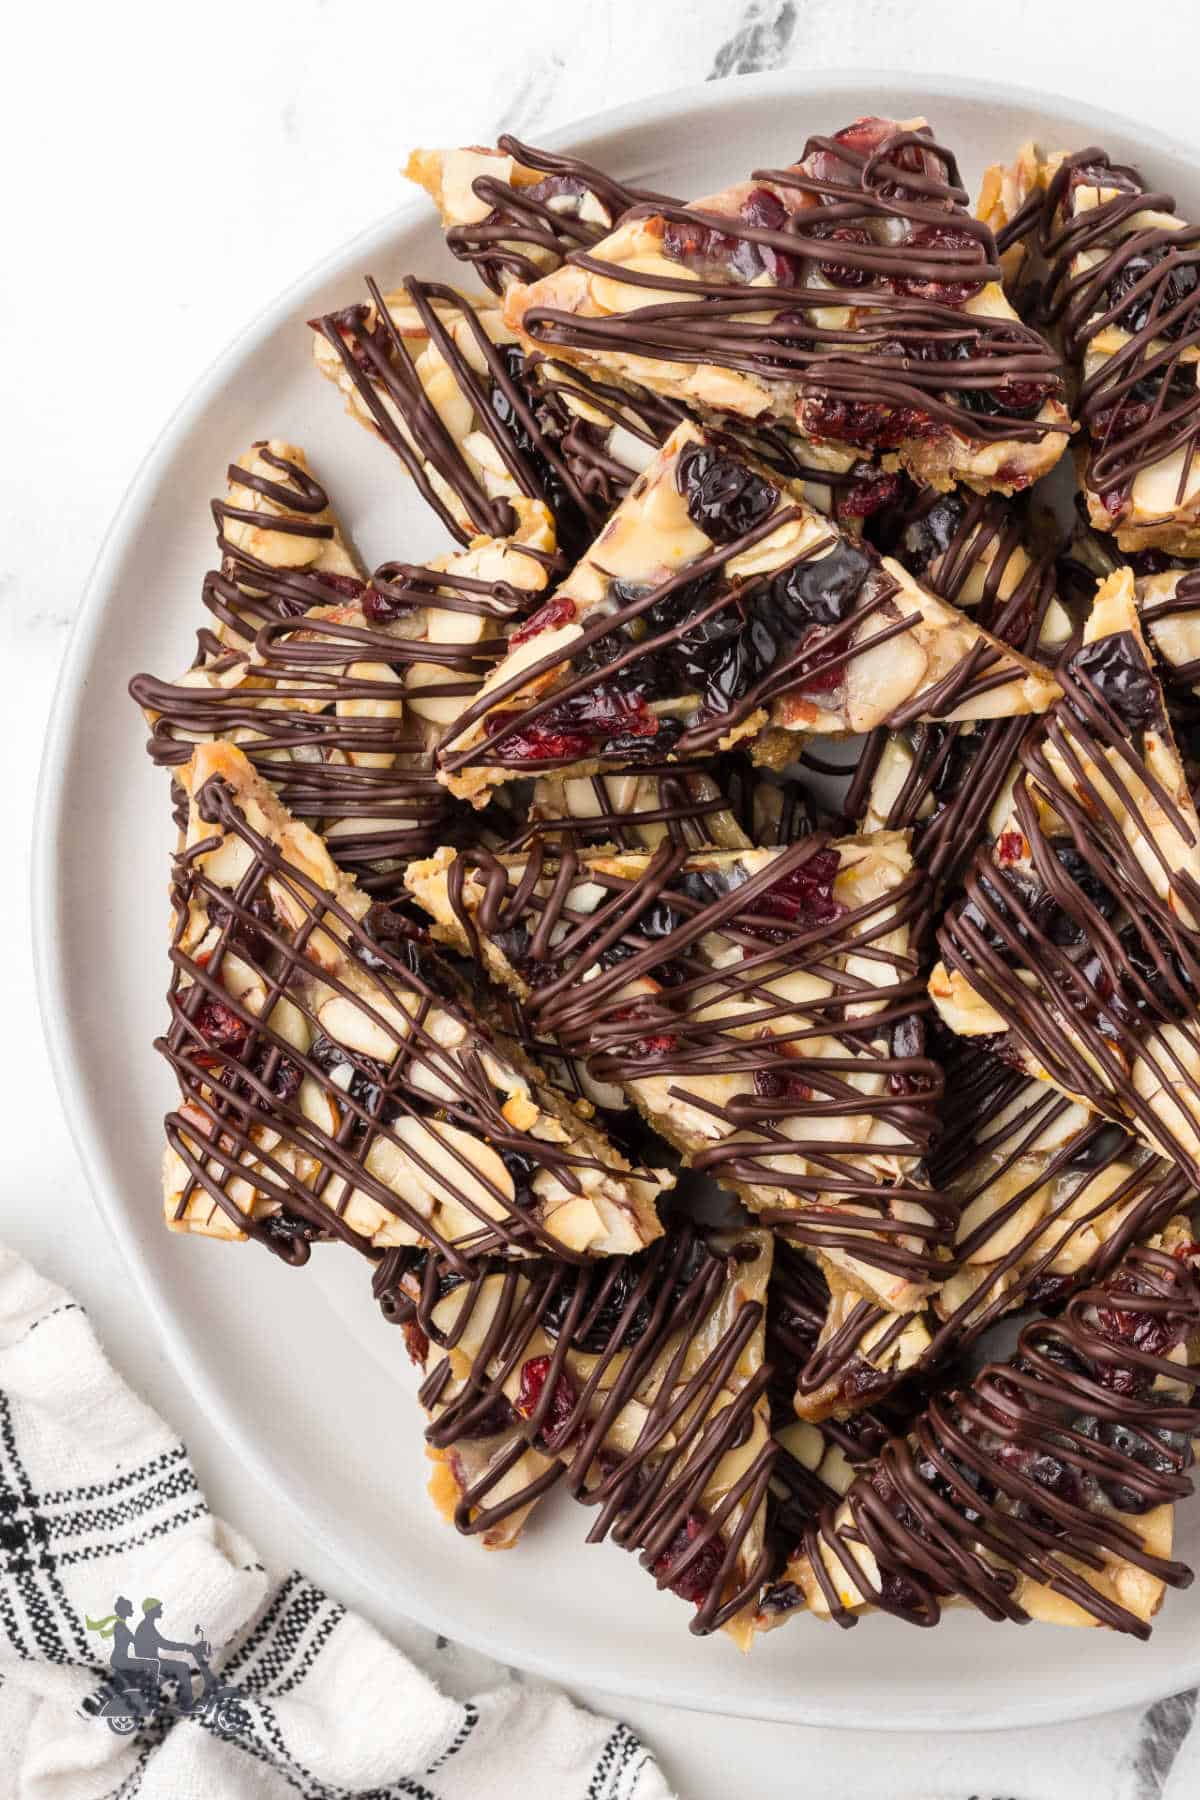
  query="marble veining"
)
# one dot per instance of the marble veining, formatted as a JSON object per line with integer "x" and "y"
{"x": 763, "y": 40}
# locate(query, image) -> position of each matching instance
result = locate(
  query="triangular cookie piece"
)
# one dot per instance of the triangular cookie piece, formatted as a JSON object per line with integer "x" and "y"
{"x": 340, "y": 707}
{"x": 281, "y": 545}
{"x": 851, "y": 294}
{"x": 1048, "y": 1196}
{"x": 1118, "y": 275}
{"x": 515, "y": 212}
{"x": 1076, "y": 951}
{"x": 834, "y": 1353}
{"x": 445, "y": 383}
{"x": 486, "y": 1477}
{"x": 947, "y": 784}
{"x": 716, "y": 608}
{"x": 819, "y": 1452}
{"x": 644, "y": 1380}
{"x": 328, "y": 1086}
{"x": 1046, "y": 1489}
{"x": 763, "y": 1010}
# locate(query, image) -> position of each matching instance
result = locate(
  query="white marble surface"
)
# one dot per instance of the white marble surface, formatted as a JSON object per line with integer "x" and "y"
{"x": 165, "y": 179}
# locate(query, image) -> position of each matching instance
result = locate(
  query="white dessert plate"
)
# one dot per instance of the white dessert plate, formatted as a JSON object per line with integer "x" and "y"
{"x": 311, "y": 1388}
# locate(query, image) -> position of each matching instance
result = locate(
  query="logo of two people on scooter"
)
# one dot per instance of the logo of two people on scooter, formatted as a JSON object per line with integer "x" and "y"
{"x": 142, "y": 1665}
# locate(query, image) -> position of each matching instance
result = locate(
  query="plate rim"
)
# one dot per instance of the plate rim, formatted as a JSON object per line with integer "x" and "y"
{"x": 47, "y": 864}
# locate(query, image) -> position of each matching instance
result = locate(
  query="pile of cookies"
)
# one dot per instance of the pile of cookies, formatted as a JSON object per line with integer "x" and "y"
{"x": 727, "y": 932}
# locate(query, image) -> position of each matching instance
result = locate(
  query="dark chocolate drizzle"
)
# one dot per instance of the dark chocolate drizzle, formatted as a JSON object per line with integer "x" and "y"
{"x": 505, "y": 399}
{"x": 648, "y": 1307}
{"x": 960, "y": 768}
{"x": 1141, "y": 404}
{"x": 522, "y": 219}
{"x": 1113, "y": 964}
{"x": 913, "y": 364}
{"x": 978, "y": 1148}
{"x": 652, "y": 926}
{"x": 300, "y": 750}
{"x": 1027, "y": 1465}
{"x": 685, "y": 802}
{"x": 246, "y": 1075}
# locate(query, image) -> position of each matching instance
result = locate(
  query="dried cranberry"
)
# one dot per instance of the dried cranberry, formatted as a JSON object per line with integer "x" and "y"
{"x": 689, "y": 241}
{"x": 253, "y": 943}
{"x": 383, "y": 608}
{"x": 696, "y": 1580}
{"x": 847, "y": 274}
{"x": 221, "y": 1027}
{"x": 868, "y": 491}
{"x": 555, "y": 612}
{"x": 1010, "y": 846}
{"x": 538, "y": 741}
{"x": 864, "y": 424}
{"x": 556, "y": 1423}
{"x": 1148, "y": 1333}
{"x": 765, "y": 212}
{"x": 1117, "y": 669}
{"x": 804, "y": 896}
{"x": 654, "y": 1043}
{"x": 725, "y": 499}
{"x": 777, "y": 1084}
{"x": 1121, "y": 419}
{"x": 927, "y": 284}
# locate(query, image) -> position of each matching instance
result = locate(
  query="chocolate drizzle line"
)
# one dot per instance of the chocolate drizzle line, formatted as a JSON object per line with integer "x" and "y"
{"x": 1183, "y": 602}
{"x": 236, "y": 1090}
{"x": 906, "y": 353}
{"x": 979, "y": 1148}
{"x": 381, "y": 367}
{"x": 655, "y": 927}
{"x": 1015, "y": 1474}
{"x": 677, "y": 799}
{"x": 961, "y": 767}
{"x": 522, "y": 218}
{"x": 1093, "y": 1010}
{"x": 299, "y": 652}
{"x": 610, "y": 1326}
{"x": 1141, "y": 403}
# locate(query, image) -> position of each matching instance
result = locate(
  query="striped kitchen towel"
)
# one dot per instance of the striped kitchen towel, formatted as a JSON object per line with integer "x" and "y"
{"x": 145, "y": 1651}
